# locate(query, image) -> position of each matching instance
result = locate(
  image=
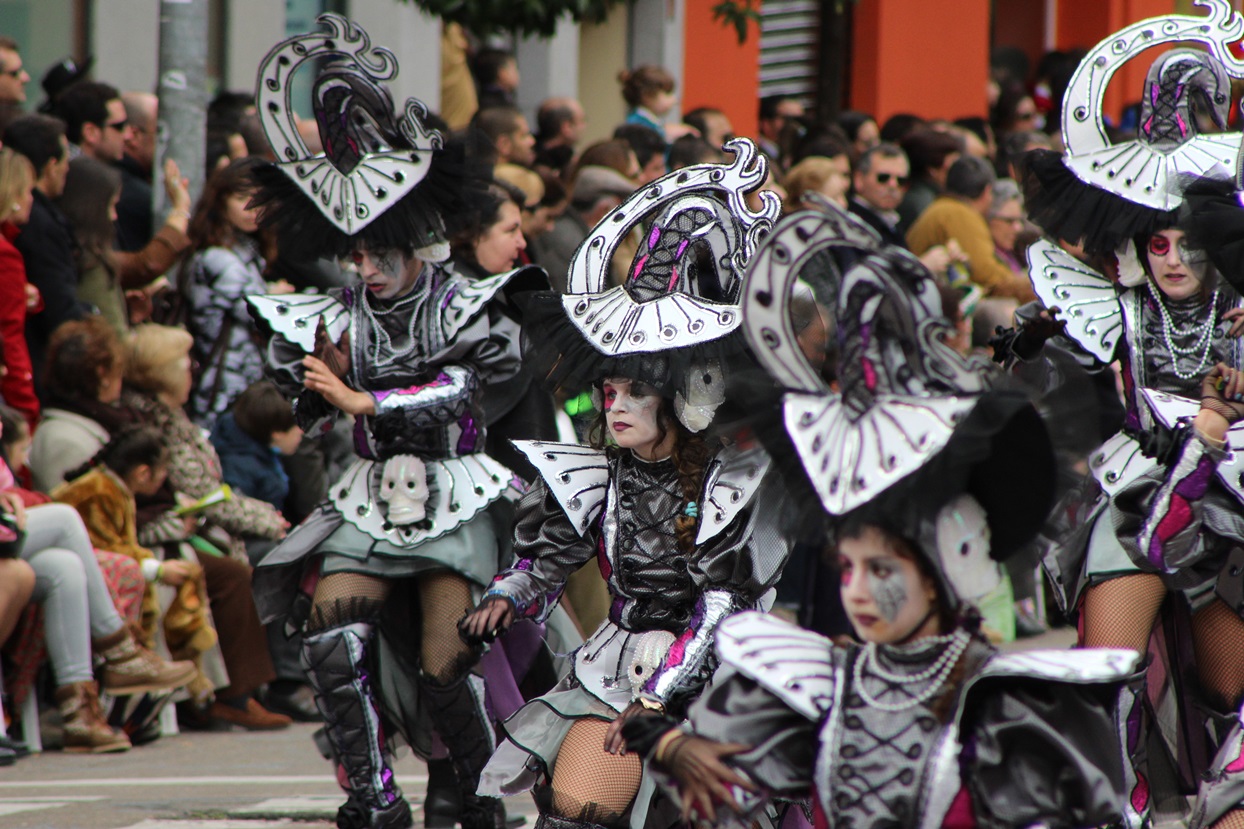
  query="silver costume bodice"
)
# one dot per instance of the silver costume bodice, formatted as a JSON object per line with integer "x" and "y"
{"x": 1155, "y": 363}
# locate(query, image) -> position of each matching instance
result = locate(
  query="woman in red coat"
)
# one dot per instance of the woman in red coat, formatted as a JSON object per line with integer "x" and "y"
{"x": 17, "y": 296}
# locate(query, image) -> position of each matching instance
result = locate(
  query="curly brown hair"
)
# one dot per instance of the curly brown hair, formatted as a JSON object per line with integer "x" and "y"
{"x": 81, "y": 353}
{"x": 642, "y": 81}
{"x": 690, "y": 454}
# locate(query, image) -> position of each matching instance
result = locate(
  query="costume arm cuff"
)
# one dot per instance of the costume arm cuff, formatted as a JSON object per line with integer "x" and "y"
{"x": 690, "y": 661}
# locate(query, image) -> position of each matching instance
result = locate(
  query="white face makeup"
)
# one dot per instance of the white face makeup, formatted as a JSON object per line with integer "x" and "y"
{"x": 388, "y": 274}
{"x": 631, "y": 411}
{"x": 1177, "y": 269}
{"x": 885, "y": 595}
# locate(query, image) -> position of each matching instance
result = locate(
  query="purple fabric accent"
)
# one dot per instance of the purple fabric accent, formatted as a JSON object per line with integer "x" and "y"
{"x": 1183, "y": 127}
{"x": 615, "y": 610}
{"x": 673, "y": 278}
{"x": 654, "y": 236}
{"x": 448, "y": 296}
{"x": 678, "y": 650}
{"x": 362, "y": 446}
{"x": 1133, "y": 727}
{"x": 347, "y": 296}
{"x": 639, "y": 266}
{"x": 1196, "y": 484}
{"x": 501, "y": 695}
{"x": 469, "y": 442}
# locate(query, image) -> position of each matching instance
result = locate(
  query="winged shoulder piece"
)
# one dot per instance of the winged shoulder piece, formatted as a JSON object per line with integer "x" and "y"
{"x": 793, "y": 664}
{"x": 729, "y": 486}
{"x": 295, "y": 316}
{"x": 1088, "y": 300}
{"x": 578, "y": 477}
{"x": 469, "y": 298}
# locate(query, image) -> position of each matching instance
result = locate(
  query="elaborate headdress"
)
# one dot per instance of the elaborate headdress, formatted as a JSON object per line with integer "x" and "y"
{"x": 675, "y": 320}
{"x": 1103, "y": 194}
{"x": 381, "y": 179}
{"x": 915, "y": 428}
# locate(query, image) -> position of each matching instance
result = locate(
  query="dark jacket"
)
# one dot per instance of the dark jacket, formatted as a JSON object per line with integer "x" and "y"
{"x": 47, "y": 245}
{"x": 249, "y": 467}
{"x": 134, "y": 220}
{"x": 889, "y": 234}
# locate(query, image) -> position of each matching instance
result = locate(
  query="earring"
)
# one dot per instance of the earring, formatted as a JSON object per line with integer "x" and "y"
{"x": 17, "y": 205}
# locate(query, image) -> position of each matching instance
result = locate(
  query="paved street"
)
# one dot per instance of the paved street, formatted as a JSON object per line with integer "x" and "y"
{"x": 190, "y": 781}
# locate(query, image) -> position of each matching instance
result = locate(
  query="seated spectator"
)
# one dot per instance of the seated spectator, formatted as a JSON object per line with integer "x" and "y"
{"x": 85, "y": 365}
{"x": 900, "y": 125}
{"x": 508, "y": 135}
{"x": 134, "y": 217}
{"x": 881, "y": 177}
{"x": 534, "y": 213}
{"x": 225, "y": 268}
{"x": 930, "y": 154}
{"x": 979, "y": 137}
{"x": 1017, "y": 145}
{"x": 496, "y": 77}
{"x": 959, "y": 214}
{"x": 560, "y": 123}
{"x": 17, "y": 297}
{"x": 1006, "y": 220}
{"x": 713, "y": 125}
{"x": 649, "y": 147}
{"x": 157, "y": 385}
{"x": 690, "y": 150}
{"x": 46, "y": 243}
{"x": 830, "y": 177}
{"x": 251, "y": 437}
{"x": 860, "y": 129}
{"x": 777, "y": 113}
{"x": 596, "y": 191}
{"x": 135, "y": 463}
{"x": 649, "y": 94}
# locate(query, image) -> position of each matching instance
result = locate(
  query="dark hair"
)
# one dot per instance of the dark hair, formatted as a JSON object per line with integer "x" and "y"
{"x": 927, "y": 150}
{"x": 643, "y": 81}
{"x": 690, "y": 455}
{"x": 9, "y": 44}
{"x": 970, "y": 176}
{"x": 90, "y": 187}
{"x": 551, "y": 117}
{"x": 770, "y": 103}
{"x": 14, "y": 425}
{"x": 496, "y": 122}
{"x": 555, "y": 191}
{"x": 883, "y": 150}
{"x": 614, "y": 154}
{"x": 487, "y": 65}
{"x": 209, "y": 227}
{"x": 261, "y": 410}
{"x": 690, "y": 150}
{"x": 483, "y": 215}
{"x": 38, "y": 138}
{"x": 850, "y": 121}
{"x": 131, "y": 447}
{"x": 898, "y": 127}
{"x": 86, "y": 102}
{"x": 826, "y": 143}
{"x": 698, "y": 118}
{"x": 79, "y": 354}
{"x": 645, "y": 141}
{"x": 1007, "y": 106}
{"x": 227, "y": 109}
{"x": 976, "y": 125}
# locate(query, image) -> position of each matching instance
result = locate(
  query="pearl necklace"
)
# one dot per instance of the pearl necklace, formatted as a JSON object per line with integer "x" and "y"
{"x": 936, "y": 674}
{"x": 1203, "y": 343}
{"x": 384, "y": 343}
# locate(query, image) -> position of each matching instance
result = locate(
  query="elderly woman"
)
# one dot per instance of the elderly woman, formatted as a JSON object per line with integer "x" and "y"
{"x": 158, "y": 383}
{"x": 1006, "y": 223}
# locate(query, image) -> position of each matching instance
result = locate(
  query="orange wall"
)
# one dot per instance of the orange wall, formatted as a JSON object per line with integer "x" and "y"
{"x": 929, "y": 57}
{"x": 717, "y": 71}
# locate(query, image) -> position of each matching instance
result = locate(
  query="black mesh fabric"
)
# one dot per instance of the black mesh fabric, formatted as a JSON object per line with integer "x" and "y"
{"x": 344, "y": 598}
{"x": 589, "y": 784}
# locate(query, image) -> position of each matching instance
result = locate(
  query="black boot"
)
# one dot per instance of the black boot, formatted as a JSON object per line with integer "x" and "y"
{"x": 463, "y": 724}
{"x": 443, "y": 802}
{"x": 335, "y": 663}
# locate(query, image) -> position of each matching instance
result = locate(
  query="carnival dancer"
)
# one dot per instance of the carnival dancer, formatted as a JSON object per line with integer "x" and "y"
{"x": 378, "y": 576}
{"x": 1160, "y": 513}
{"x": 928, "y": 476}
{"x": 685, "y": 528}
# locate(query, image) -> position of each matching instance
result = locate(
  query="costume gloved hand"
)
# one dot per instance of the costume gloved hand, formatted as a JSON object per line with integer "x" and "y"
{"x": 493, "y": 617}
{"x": 1222, "y": 392}
{"x": 704, "y": 779}
{"x": 336, "y": 357}
{"x": 1031, "y": 335}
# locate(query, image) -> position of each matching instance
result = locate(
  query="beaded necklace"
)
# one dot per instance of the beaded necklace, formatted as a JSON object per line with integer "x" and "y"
{"x": 1204, "y": 331}
{"x": 936, "y": 674}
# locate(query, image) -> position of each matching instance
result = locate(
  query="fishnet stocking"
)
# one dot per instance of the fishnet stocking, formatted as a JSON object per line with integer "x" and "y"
{"x": 1231, "y": 820}
{"x": 343, "y": 598}
{"x": 1120, "y": 613}
{"x": 590, "y": 784}
{"x": 1218, "y": 640}
{"x": 445, "y": 598}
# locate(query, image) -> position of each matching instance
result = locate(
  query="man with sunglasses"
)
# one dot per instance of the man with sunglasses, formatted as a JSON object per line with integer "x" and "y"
{"x": 95, "y": 120}
{"x": 13, "y": 78}
{"x": 880, "y": 180}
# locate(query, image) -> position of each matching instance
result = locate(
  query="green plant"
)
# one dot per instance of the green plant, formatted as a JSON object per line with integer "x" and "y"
{"x": 522, "y": 17}
{"x": 739, "y": 14}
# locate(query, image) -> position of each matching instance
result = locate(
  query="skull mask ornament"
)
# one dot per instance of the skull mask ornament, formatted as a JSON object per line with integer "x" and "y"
{"x": 963, "y": 549}
{"x": 404, "y": 490}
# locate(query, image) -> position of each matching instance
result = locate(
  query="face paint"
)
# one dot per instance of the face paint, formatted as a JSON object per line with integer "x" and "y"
{"x": 886, "y": 597}
{"x": 388, "y": 273}
{"x": 631, "y": 413}
{"x": 888, "y": 586}
{"x": 1177, "y": 269}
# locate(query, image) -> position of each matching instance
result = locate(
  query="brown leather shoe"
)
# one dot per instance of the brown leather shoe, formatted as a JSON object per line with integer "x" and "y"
{"x": 254, "y": 718}
{"x": 86, "y": 730}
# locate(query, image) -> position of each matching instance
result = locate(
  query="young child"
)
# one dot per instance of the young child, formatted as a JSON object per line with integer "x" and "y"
{"x": 251, "y": 437}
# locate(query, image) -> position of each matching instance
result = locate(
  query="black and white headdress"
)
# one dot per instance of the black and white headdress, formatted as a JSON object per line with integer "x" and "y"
{"x": 674, "y": 322}
{"x": 382, "y": 179}
{"x": 915, "y": 439}
{"x": 1104, "y": 194}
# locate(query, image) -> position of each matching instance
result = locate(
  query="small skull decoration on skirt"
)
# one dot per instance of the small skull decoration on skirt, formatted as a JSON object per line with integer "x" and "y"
{"x": 404, "y": 490}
